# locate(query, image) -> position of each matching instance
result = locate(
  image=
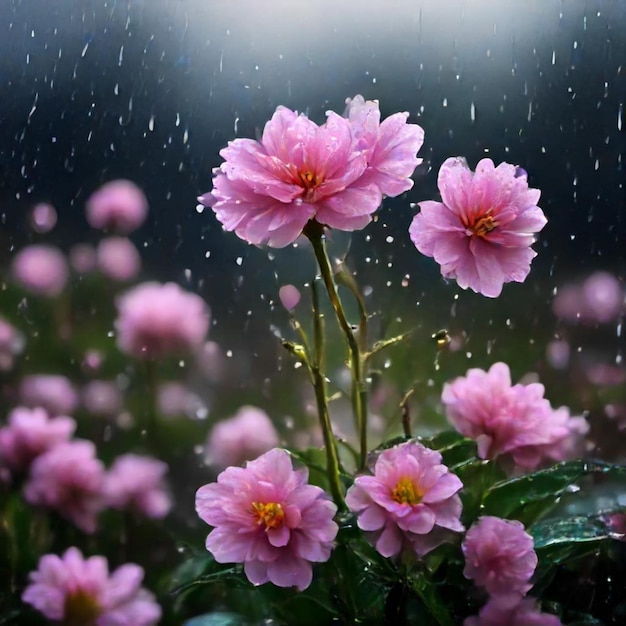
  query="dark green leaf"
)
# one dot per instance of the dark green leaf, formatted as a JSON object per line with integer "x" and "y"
{"x": 508, "y": 498}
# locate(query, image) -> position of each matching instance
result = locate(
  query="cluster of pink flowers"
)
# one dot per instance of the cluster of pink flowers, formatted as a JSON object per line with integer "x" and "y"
{"x": 411, "y": 502}
{"x": 28, "y": 434}
{"x": 242, "y": 437}
{"x": 500, "y": 557}
{"x": 156, "y": 320}
{"x": 74, "y": 590}
{"x": 65, "y": 475}
{"x": 598, "y": 299}
{"x": 267, "y": 517}
{"x": 266, "y": 191}
{"x": 482, "y": 230}
{"x": 511, "y": 420}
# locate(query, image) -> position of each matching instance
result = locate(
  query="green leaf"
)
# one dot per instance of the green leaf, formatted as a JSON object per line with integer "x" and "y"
{"x": 529, "y": 496}
{"x": 217, "y": 619}
{"x": 579, "y": 529}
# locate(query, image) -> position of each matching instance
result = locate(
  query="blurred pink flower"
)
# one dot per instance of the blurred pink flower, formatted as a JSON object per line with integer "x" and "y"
{"x": 118, "y": 206}
{"x": 137, "y": 483}
{"x": 11, "y": 345}
{"x": 75, "y": 590}
{"x": 558, "y": 353}
{"x": 482, "y": 230}
{"x": 289, "y": 296}
{"x": 118, "y": 259}
{"x": 212, "y": 361}
{"x": 102, "y": 397}
{"x": 500, "y": 556}
{"x": 242, "y": 437}
{"x": 597, "y": 300}
{"x": 68, "y": 478}
{"x": 83, "y": 258}
{"x": 53, "y": 392}
{"x": 29, "y": 433}
{"x": 604, "y": 296}
{"x": 526, "y": 613}
{"x": 267, "y": 516}
{"x": 510, "y": 420}
{"x": 43, "y": 217}
{"x": 337, "y": 173}
{"x": 411, "y": 501}
{"x": 156, "y": 320}
{"x": 40, "y": 269}
{"x": 175, "y": 399}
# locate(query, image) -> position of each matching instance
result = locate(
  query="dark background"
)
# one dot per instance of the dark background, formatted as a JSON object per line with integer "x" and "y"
{"x": 152, "y": 89}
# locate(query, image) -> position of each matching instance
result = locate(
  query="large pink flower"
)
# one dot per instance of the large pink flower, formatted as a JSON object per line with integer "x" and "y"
{"x": 513, "y": 420}
{"x": 337, "y": 173}
{"x": 482, "y": 230}
{"x": 137, "y": 483}
{"x": 526, "y": 613}
{"x": 410, "y": 502}
{"x": 29, "y": 433}
{"x": 69, "y": 478}
{"x": 75, "y": 590}
{"x": 156, "y": 320}
{"x": 266, "y": 516}
{"x": 500, "y": 556}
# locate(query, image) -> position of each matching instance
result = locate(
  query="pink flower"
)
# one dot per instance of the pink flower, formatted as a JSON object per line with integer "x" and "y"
{"x": 68, "y": 478}
{"x": 337, "y": 173}
{"x": 54, "y": 393}
{"x": 289, "y": 296}
{"x": 525, "y": 613}
{"x": 118, "y": 258}
{"x": 510, "y": 420}
{"x": 136, "y": 482}
{"x": 598, "y": 300}
{"x": 43, "y": 217}
{"x": 391, "y": 147}
{"x": 29, "y": 433}
{"x": 11, "y": 345}
{"x": 242, "y": 437}
{"x": 102, "y": 397}
{"x": 175, "y": 399}
{"x": 500, "y": 556}
{"x": 156, "y": 320}
{"x": 267, "y": 516}
{"x": 410, "y": 502}
{"x": 40, "y": 269}
{"x": 75, "y": 590}
{"x": 118, "y": 206}
{"x": 482, "y": 231}
{"x": 83, "y": 258}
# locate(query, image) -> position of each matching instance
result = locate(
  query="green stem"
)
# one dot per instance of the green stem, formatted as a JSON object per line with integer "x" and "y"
{"x": 316, "y": 369}
{"x": 315, "y": 233}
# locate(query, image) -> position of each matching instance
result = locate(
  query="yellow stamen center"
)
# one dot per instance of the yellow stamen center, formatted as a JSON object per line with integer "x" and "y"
{"x": 81, "y": 609}
{"x": 308, "y": 179}
{"x": 406, "y": 492}
{"x": 483, "y": 225}
{"x": 269, "y": 514}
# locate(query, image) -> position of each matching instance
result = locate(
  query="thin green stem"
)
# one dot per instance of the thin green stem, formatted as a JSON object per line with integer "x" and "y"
{"x": 316, "y": 369}
{"x": 315, "y": 233}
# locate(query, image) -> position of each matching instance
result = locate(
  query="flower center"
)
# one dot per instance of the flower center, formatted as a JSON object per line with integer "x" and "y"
{"x": 483, "y": 225}
{"x": 81, "y": 609}
{"x": 405, "y": 492}
{"x": 308, "y": 179}
{"x": 270, "y": 514}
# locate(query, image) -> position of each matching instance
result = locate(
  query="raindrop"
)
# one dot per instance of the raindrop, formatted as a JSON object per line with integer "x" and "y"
{"x": 473, "y": 112}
